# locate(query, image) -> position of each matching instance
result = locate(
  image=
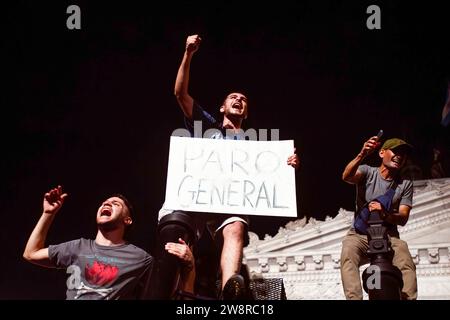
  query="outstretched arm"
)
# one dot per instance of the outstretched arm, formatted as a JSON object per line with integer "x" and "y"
{"x": 35, "y": 251}
{"x": 185, "y": 101}
{"x": 351, "y": 174}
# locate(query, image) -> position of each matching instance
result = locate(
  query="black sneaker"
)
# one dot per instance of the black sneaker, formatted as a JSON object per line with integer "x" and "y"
{"x": 234, "y": 288}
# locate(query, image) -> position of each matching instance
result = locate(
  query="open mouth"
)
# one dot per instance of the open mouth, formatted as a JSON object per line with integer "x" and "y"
{"x": 237, "y": 106}
{"x": 106, "y": 211}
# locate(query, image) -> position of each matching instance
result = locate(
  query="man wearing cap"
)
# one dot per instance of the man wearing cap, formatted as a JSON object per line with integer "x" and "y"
{"x": 371, "y": 183}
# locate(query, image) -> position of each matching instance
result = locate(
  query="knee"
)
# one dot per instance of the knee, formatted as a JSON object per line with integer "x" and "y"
{"x": 171, "y": 233}
{"x": 402, "y": 256}
{"x": 400, "y": 247}
{"x": 234, "y": 230}
{"x": 174, "y": 226}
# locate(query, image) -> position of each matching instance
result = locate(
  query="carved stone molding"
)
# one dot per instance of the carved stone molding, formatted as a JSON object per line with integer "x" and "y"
{"x": 336, "y": 258}
{"x": 282, "y": 264}
{"x": 433, "y": 254}
{"x": 300, "y": 261}
{"x": 318, "y": 262}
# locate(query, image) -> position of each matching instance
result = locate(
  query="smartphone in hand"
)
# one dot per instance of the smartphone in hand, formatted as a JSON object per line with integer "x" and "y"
{"x": 380, "y": 134}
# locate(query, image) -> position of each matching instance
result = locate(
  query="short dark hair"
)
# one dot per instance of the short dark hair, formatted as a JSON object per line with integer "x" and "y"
{"x": 129, "y": 228}
{"x": 127, "y": 203}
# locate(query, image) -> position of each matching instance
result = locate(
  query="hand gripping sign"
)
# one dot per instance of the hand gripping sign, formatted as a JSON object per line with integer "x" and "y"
{"x": 231, "y": 176}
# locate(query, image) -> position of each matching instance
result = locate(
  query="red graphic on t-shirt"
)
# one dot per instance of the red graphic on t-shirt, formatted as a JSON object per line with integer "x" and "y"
{"x": 100, "y": 274}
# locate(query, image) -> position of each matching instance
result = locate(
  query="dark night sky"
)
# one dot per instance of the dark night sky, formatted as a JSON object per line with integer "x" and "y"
{"x": 93, "y": 109}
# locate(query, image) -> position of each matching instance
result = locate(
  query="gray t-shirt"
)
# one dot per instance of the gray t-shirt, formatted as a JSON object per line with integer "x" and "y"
{"x": 103, "y": 272}
{"x": 373, "y": 185}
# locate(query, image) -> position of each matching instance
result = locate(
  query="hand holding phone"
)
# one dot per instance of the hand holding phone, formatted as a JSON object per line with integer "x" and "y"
{"x": 380, "y": 134}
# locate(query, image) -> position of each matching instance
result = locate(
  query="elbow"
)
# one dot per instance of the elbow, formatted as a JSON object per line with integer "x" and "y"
{"x": 400, "y": 221}
{"x": 30, "y": 255}
{"x": 179, "y": 93}
{"x": 350, "y": 179}
{"x": 179, "y": 96}
{"x": 27, "y": 256}
{"x": 403, "y": 222}
{"x": 346, "y": 178}
{"x": 403, "y": 217}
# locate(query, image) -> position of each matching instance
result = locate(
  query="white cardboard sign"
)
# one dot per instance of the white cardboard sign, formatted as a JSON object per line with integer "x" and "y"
{"x": 231, "y": 176}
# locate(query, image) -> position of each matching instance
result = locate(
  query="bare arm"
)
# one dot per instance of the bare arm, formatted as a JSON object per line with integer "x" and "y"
{"x": 184, "y": 253}
{"x": 399, "y": 218}
{"x": 35, "y": 250}
{"x": 185, "y": 101}
{"x": 351, "y": 174}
